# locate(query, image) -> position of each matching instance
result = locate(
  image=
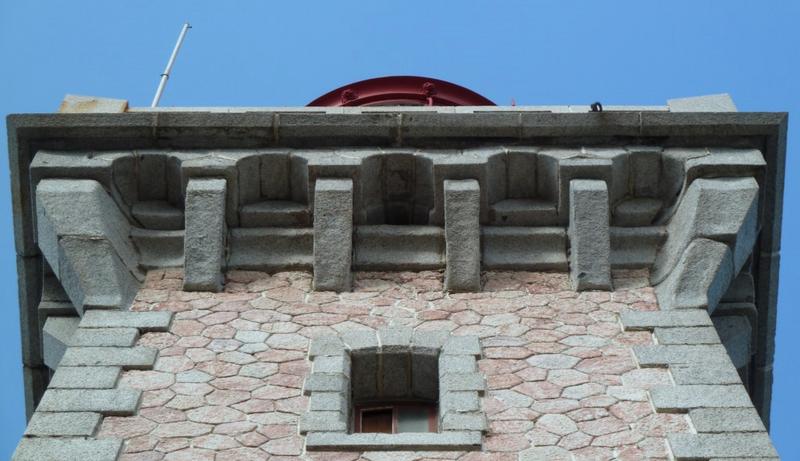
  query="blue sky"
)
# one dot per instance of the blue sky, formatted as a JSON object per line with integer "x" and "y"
{"x": 250, "y": 53}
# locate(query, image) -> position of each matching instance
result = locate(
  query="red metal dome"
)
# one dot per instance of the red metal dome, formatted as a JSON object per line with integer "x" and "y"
{"x": 401, "y": 91}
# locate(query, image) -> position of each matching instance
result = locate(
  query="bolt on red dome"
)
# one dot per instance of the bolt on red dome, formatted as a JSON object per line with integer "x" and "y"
{"x": 401, "y": 91}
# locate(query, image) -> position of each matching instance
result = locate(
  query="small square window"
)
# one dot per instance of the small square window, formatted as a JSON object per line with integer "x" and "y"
{"x": 395, "y": 389}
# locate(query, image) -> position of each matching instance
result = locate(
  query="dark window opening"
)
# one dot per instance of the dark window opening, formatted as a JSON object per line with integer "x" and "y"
{"x": 395, "y": 418}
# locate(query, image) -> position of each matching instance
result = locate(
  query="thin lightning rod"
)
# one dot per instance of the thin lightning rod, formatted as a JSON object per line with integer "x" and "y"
{"x": 170, "y": 63}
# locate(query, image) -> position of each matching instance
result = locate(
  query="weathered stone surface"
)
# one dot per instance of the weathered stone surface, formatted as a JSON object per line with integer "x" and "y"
{"x": 108, "y": 402}
{"x": 56, "y": 337}
{"x": 700, "y": 278}
{"x": 85, "y": 377}
{"x": 687, "y": 397}
{"x": 126, "y": 357}
{"x": 204, "y": 241}
{"x": 67, "y": 449}
{"x": 705, "y": 373}
{"x": 77, "y": 104}
{"x": 687, "y": 335}
{"x": 708, "y": 103}
{"x": 63, "y": 424}
{"x": 738, "y": 445}
{"x": 636, "y": 320}
{"x": 719, "y": 420}
{"x": 548, "y": 360}
{"x": 90, "y": 251}
{"x": 144, "y": 321}
{"x": 590, "y": 244}
{"x": 736, "y": 335}
{"x": 462, "y": 235}
{"x": 93, "y": 337}
{"x": 333, "y": 234}
{"x": 660, "y": 355}
{"x": 722, "y": 209}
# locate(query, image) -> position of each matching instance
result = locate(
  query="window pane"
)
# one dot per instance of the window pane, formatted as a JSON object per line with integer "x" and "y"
{"x": 377, "y": 421}
{"x": 413, "y": 419}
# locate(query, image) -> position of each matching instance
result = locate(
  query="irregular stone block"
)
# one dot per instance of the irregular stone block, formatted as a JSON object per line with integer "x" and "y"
{"x": 56, "y": 335}
{"x": 109, "y": 402}
{"x": 709, "y": 103}
{"x": 94, "y": 337}
{"x": 326, "y": 345}
{"x": 524, "y": 248}
{"x": 700, "y": 278}
{"x": 67, "y": 449}
{"x": 429, "y": 340}
{"x": 590, "y": 244}
{"x": 143, "y": 321}
{"x": 736, "y": 335}
{"x": 328, "y": 401}
{"x": 462, "y": 345}
{"x": 719, "y": 420}
{"x": 63, "y": 424}
{"x": 721, "y": 209}
{"x": 77, "y": 104}
{"x": 464, "y": 422}
{"x": 324, "y": 382}
{"x": 682, "y": 398}
{"x": 690, "y": 335}
{"x": 705, "y": 373}
{"x": 459, "y": 402}
{"x": 462, "y": 382}
{"x": 704, "y": 446}
{"x": 80, "y": 208}
{"x": 322, "y": 421}
{"x": 85, "y": 377}
{"x": 660, "y": 355}
{"x": 94, "y": 276}
{"x": 361, "y": 340}
{"x": 204, "y": 242}
{"x": 131, "y": 358}
{"x": 333, "y": 234}
{"x": 462, "y": 235}
{"x": 648, "y": 320}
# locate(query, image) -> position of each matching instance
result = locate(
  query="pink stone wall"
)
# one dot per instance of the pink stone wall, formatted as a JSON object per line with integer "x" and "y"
{"x": 560, "y": 372}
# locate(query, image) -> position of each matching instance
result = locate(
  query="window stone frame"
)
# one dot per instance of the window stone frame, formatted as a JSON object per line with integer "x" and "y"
{"x": 462, "y": 421}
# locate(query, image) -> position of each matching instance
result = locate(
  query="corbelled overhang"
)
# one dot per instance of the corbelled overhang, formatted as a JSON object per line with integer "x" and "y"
{"x": 385, "y": 127}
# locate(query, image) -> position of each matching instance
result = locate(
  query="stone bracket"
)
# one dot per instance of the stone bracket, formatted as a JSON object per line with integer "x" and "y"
{"x": 589, "y": 237}
{"x": 204, "y": 240}
{"x": 85, "y": 238}
{"x": 462, "y": 235}
{"x": 333, "y": 234}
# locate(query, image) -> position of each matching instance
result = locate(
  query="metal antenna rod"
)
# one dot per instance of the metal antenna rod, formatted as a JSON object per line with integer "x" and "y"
{"x": 170, "y": 63}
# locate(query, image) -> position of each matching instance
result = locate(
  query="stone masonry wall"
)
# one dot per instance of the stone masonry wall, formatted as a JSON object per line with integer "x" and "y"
{"x": 561, "y": 377}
